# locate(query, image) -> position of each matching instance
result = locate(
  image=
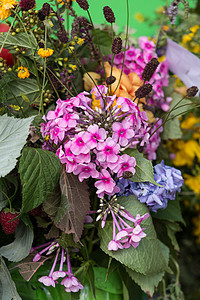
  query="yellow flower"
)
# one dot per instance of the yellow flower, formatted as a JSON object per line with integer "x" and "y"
{"x": 23, "y": 72}
{"x": 80, "y": 41}
{"x": 160, "y": 10}
{"x": 192, "y": 123}
{"x": 187, "y": 38}
{"x": 61, "y": 2}
{"x": 161, "y": 58}
{"x": 73, "y": 67}
{"x": 45, "y": 53}
{"x": 5, "y": 8}
{"x": 139, "y": 17}
{"x": 193, "y": 182}
{"x": 194, "y": 28}
{"x": 16, "y": 107}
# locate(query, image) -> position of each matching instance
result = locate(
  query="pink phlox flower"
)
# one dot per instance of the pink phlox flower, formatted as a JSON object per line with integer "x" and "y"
{"x": 114, "y": 191}
{"x": 83, "y": 158}
{"x": 126, "y": 163}
{"x": 114, "y": 245}
{"x": 54, "y": 114}
{"x": 68, "y": 120}
{"x": 57, "y": 134}
{"x": 146, "y": 44}
{"x": 122, "y": 132}
{"x": 131, "y": 235}
{"x": 79, "y": 144}
{"x": 48, "y": 281}
{"x": 61, "y": 155}
{"x": 126, "y": 104}
{"x": 107, "y": 151}
{"x": 105, "y": 183}
{"x": 58, "y": 274}
{"x": 71, "y": 284}
{"x": 97, "y": 135}
{"x": 85, "y": 171}
{"x": 99, "y": 91}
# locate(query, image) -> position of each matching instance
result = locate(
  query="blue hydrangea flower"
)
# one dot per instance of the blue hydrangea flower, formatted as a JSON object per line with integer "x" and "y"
{"x": 155, "y": 197}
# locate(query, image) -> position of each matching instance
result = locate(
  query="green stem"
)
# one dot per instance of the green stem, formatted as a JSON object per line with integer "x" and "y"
{"x": 7, "y": 34}
{"x": 126, "y": 41}
{"x": 101, "y": 57}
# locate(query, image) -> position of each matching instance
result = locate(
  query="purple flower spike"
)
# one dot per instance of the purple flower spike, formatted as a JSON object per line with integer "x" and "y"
{"x": 60, "y": 273}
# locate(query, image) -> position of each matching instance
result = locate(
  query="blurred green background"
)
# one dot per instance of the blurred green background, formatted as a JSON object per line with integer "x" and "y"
{"x": 146, "y": 8}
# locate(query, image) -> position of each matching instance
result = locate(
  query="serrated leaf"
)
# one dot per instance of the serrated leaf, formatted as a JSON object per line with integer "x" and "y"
{"x": 148, "y": 283}
{"x": 147, "y": 258}
{"x": 21, "y": 246}
{"x": 112, "y": 284}
{"x": 28, "y": 267}
{"x": 66, "y": 241}
{"x": 74, "y": 205}
{"x": 8, "y": 289}
{"x": 172, "y": 212}
{"x": 39, "y": 173}
{"x": 172, "y": 130}
{"x": 50, "y": 206}
{"x": 143, "y": 169}
{"x": 15, "y": 87}
{"x": 104, "y": 40}
{"x": 13, "y": 135}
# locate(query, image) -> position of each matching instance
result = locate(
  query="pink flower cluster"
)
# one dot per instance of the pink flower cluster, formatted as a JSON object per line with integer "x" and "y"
{"x": 127, "y": 235}
{"x": 154, "y": 141}
{"x": 135, "y": 61}
{"x": 90, "y": 140}
{"x": 70, "y": 282}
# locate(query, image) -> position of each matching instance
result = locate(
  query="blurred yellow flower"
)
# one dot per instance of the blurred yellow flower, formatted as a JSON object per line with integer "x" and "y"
{"x": 45, "y": 53}
{"x": 139, "y": 17}
{"x": 194, "y": 28}
{"x": 16, "y": 107}
{"x": 193, "y": 182}
{"x": 196, "y": 231}
{"x": 5, "y": 8}
{"x": 187, "y": 38}
{"x": 192, "y": 123}
{"x": 80, "y": 41}
{"x": 23, "y": 72}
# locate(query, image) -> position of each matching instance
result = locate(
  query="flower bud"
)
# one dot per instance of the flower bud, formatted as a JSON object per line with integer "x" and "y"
{"x": 110, "y": 80}
{"x": 83, "y": 4}
{"x": 143, "y": 91}
{"x": 127, "y": 174}
{"x": 149, "y": 69}
{"x": 192, "y": 91}
{"x": 117, "y": 45}
{"x": 108, "y": 14}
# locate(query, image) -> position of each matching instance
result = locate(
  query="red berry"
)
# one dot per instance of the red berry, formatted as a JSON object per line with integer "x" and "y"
{"x": 5, "y": 217}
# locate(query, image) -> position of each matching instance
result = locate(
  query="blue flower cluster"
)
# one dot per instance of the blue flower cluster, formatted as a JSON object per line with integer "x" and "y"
{"x": 155, "y": 197}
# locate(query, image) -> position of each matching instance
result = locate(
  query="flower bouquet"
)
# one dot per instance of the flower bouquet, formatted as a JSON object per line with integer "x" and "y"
{"x": 92, "y": 207}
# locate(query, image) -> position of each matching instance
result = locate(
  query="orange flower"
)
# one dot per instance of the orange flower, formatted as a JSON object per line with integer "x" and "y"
{"x": 128, "y": 83}
{"x": 45, "y": 53}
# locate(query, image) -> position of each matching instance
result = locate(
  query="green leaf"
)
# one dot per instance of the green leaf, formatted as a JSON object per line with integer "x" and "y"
{"x": 172, "y": 212}
{"x": 147, "y": 258}
{"x": 17, "y": 87}
{"x": 3, "y": 198}
{"x": 143, "y": 169}
{"x": 113, "y": 283}
{"x": 22, "y": 40}
{"x": 39, "y": 173}
{"x": 21, "y": 246}
{"x": 13, "y": 135}
{"x": 86, "y": 293}
{"x": 172, "y": 228}
{"x": 148, "y": 283}
{"x": 74, "y": 205}
{"x": 7, "y": 286}
{"x": 67, "y": 240}
{"x": 172, "y": 129}
{"x": 104, "y": 40}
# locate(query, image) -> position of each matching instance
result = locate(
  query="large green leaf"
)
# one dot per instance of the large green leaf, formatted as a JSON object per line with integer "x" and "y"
{"x": 13, "y": 135}
{"x": 147, "y": 258}
{"x": 172, "y": 212}
{"x": 16, "y": 88}
{"x": 112, "y": 284}
{"x": 148, "y": 283}
{"x": 39, "y": 172}
{"x": 143, "y": 169}
{"x": 21, "y": 246}
{"x": 7, "y": 286}
{"x": 104, "y": 40}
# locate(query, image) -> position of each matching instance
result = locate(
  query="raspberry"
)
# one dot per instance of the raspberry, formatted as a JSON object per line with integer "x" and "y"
{"x": 5, "y": 217}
